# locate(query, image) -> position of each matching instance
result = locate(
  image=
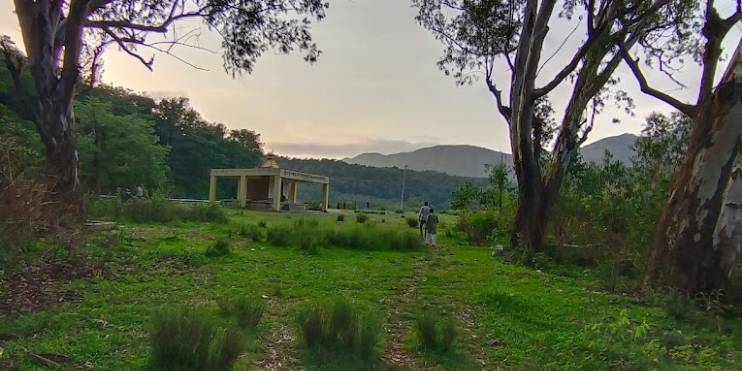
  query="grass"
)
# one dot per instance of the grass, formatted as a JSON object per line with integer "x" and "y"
{"x": 508, "y": 317}
{"x": 188, "y": 339}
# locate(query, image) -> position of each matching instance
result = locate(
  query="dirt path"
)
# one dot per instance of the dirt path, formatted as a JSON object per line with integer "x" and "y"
{"x": 398, "y": 325}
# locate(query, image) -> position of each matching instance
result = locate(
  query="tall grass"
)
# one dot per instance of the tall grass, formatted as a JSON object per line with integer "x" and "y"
{"x": 187, "y": 339}
{"x": 248, "y": 311}
{"x": 156, "y": 209}
{"x": 358, "y": 238}
{"x": 435, "y": 333}
{"x": 339, "y": 326}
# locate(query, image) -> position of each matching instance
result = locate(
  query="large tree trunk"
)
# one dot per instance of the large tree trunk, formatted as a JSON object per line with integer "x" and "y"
{"x": 699, "y": 236}
{"x": 61, "y": 171}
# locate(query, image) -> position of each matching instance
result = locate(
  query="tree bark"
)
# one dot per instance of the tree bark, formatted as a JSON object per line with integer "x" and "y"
{"x": 64, "y": 192}
{"x": 700, "y": 233}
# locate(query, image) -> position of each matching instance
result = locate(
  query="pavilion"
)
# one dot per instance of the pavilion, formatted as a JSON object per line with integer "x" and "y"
{"x": 264, "y": 187}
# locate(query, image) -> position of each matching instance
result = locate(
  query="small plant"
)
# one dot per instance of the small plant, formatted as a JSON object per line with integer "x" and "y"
{"x": 341, "y": 218}
{"x": 307, "y": 242}
{"x": 247, "y": 310}
{"x": 189, "y": 339}
{"x": 361, "y": 218}
{"x": 219, "y": 248}
{"x": 262, "y": 224}
{"x": 411, "y": 222}
{"x": 279, "y": 236}
{"x": 434, "y": 333}
{"x": 399, "y": 211}
{"x": 339, "y": 325}
{"x": 252, "y": 232}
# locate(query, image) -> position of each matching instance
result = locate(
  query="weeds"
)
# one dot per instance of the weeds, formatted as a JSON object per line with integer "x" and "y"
{"x": 361, "y": 218}
{"x": 411, "y": 221}
{"x": 252, "y": 232}
{"x": 341, "y": 218}
{"x": 189, "y": 340}
{"x": 248, "y": 311}
{"x": 434, "y": 333}
{"x": 218, "y": 249}
{"x": 339, "y": 326}
{"x": 360, "y": 238}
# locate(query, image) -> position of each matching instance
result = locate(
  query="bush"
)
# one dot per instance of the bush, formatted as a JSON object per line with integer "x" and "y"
{"x": 247, "y": 310}
{"x": 434, "y": 333}
{"x": 341, "y": 218}
{"x": 252, "y": 232}
{"x": 156, "y": 209}
{"x": 189, "y": 340}
{"x": 480, "y": 227}
{"x": 339, "y": 326}
{"x": 262, "y": 224}
{"x": 204, "y": 213}
{"x": 399, "y": 211}
{"x": 361, "y": 218}
{"x": 219, "y": 248}
{"x": 411, "y": 221}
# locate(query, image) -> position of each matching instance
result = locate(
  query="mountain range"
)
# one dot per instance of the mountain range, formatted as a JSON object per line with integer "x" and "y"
{"x": 470, "y": 161}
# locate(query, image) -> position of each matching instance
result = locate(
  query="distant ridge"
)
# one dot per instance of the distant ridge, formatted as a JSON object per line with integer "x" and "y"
{"x": 469, "y": 161}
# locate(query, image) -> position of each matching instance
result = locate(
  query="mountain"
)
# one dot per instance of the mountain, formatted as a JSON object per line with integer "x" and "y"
{"x": 469, "y": 161}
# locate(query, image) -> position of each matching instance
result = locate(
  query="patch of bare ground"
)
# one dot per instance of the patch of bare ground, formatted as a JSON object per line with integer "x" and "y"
{"x": 398, "y": 324}
{"x": 280, "y": 352}
{"x": 42, "y": 285}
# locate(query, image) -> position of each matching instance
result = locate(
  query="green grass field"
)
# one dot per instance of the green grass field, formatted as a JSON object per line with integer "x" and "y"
{"x": 507, "y": 317}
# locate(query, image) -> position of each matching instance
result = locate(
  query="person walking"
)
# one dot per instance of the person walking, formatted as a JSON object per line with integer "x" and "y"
{"x": 422, "y": 217}
{"x": 431, "y": 225}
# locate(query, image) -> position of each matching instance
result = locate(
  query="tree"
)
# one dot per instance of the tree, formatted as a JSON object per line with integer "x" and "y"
{"x": 661, "y": 148}
{"x": 476, "y": 33}
{"x": 498, "y": 178}
{"x": 62, "y": 36}
{"x": 698, "y": 237}
{"x": 117, "y": 151}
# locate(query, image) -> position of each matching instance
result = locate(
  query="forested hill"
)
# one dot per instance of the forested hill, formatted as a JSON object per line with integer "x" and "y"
{"x": 126, "y": 139}
{"x": 379, "y": 186}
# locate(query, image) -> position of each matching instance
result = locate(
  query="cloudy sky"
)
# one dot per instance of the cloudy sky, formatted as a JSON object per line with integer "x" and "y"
{"x": 376, "y": 87}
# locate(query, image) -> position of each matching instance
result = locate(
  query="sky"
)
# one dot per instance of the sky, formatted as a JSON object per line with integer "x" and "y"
{"x": 375, "y": 88}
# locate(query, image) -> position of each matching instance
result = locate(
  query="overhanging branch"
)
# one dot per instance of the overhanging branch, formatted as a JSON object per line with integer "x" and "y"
{"x": 687, "y": 109}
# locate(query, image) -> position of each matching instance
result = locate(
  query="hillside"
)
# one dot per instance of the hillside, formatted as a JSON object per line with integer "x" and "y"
{"x": 379, "y": 186}
{"x": 469, "y": 161}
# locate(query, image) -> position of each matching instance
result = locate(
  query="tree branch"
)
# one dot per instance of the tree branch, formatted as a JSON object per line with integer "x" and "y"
{"x": 688, "y": 109}
{"x": 715, "y": 30}
{"x": 504, "y": 110}
{"x": 122, "y": 44}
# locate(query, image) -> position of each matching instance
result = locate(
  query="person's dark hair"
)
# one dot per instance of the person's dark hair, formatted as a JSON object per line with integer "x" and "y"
{"x": 425, "y": 203}
{"x": 431, "y": 210}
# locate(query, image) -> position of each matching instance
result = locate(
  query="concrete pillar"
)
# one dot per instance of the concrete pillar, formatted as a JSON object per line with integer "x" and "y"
{"x": 242, "y": 191}
{"x": 292, "y": 197}
{"x": 277, "y": 193}
{"x": 325, "y": 196}
{"x": 212, "y": 189}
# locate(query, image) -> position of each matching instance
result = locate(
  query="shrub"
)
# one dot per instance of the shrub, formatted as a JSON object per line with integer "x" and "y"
{"x": 189, "y": 340}
{"x": 411, "y": 221}
{"x": 479, "y": 227}
{"x": 307, "y": 241}
{"x": 435, "y": 333}
{"x": 361, "y": 218}
{"x": 219, "y": 248}
{"x": 341, "y": 218}
{"x": 340, "y": 326}
{"x": 247, "y": 310}
{"x": 204, "y": 213}
{"x": 252, "y": 232}
{"x": 262, "y": 224}
{"x": 399, "y": 211}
